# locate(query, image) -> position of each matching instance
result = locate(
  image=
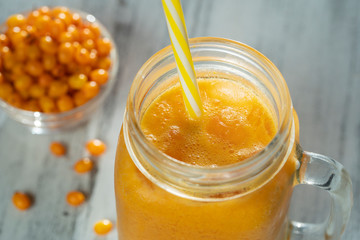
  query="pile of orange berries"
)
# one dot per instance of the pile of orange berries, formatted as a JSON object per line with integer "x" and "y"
{"x": 52, "y": 61}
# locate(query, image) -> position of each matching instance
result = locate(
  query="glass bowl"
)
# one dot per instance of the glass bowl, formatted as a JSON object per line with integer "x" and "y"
{"x": 42, "y": 123}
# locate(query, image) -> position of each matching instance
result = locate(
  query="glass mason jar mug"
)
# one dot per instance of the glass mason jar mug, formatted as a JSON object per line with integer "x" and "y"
{"x": 159, "y": 197}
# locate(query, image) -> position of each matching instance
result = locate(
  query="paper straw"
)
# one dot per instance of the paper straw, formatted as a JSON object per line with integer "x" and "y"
{"x": 185, "y": 66}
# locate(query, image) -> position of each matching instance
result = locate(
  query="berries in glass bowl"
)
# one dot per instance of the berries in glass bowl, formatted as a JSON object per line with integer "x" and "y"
{"x": 56, "y": 67}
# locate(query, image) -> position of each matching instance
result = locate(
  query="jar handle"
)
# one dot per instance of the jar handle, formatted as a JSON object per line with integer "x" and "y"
{"x": 327, "y": 174}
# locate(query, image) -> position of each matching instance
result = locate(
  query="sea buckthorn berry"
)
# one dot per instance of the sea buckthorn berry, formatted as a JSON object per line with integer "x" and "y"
{"x": 59, "y": 9}
{"x": 103, "y": 46}
{"x": 47, "y": 104}
{"x": 86, "y": 34}
{"x": 76, "y": 46}
{"x": 45, "y": 80}
{"x": 74, "y": 31}
{"x": 66, "y": 37}
{"x": 12, "y": 31}
{"x": 66, "y": 53}
{"x": 93, "y": 58}
{"x": 95, "y": 29}
{"x": 5, "y": 51}
{"x": 23, "y": 82}
{"x": 77, "y": 81}
{"x": 14, "y": 99}
{"x": 91, "y": 89}
{"x": 66, "y": 18}
{"x": 65, "y": 103}
{"x": 4, "y": 40}
{"x": 32, "y": 32}
{"x": 58, "y": 149}
{"x": 2, "y": 80}
{"x": 57, "y": 27}
{"x": 57, "y": 89}
{"x": 64, "y": 58}
{"x": 104, "y": 63}
{"x": 82, "y": 56}
{"x": 89, "y": 44}
{"x": 44, "y": 10}
{"x": 19, "y": 38}
{"x": 49, "y": 61}
{"x": 34, "y": 68}
{"x": 76, "y": 19}
{"x": 36, "y": 91}
{"x": 5, "y": 90}
{"x": 8, "y": 58}
{"x": 32, "y": 105}
{"x": 96, "y": 147}
{"x": 75, "y": 198}
{"x": 16, "y": 20}
{"x": 43, "y": 24}
{"x": 33, "y": 52}
{"x": 32, "y": 16}
{"x": 83, "y": 165}
{"x": 100, "y": 76}
{"x": 20, "y": 53}
{"x": 48, "y": 45}
{"x": 21, "y": 201}
{"x": 79, "y": 98}
{"x": 103, "y": 227}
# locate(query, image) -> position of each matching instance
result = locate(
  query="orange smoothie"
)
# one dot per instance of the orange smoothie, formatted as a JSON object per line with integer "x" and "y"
{"x": 236, "y": 124}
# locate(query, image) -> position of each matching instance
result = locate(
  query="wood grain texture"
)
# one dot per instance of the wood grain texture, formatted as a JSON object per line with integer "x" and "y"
{"x": 315, "y": 44}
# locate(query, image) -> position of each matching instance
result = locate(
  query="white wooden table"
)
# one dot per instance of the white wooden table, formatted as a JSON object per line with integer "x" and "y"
{"x": 315, "y": 44}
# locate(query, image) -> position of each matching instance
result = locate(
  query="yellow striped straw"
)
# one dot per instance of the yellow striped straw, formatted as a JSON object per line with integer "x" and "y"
{"x": 185, "y": 66}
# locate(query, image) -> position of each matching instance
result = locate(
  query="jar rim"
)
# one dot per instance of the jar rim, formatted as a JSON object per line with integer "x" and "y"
{"x": 239, "y": 170}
